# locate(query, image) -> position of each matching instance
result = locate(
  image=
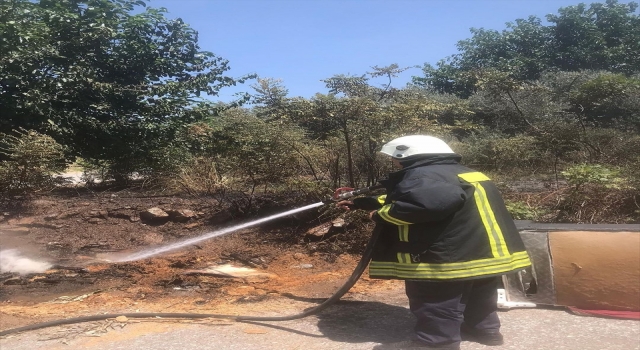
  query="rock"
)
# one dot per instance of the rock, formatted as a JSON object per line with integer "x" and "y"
{"x": 326, "y": 230}
{"x": 154, "y": 215}
{"x": 299, "y": 256}
{"x": 122, "y": 319}
{"x": 95, "y": 221}
{"x": 99, "y": 214}
{"x": 192, "y": 225}
{"x": 317, "y": 233}
{"x": 181, "y": 215}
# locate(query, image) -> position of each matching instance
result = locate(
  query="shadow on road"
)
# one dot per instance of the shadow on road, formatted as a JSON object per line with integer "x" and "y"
{"x": 360, "y": 322}
{"x": 366, "y": 321}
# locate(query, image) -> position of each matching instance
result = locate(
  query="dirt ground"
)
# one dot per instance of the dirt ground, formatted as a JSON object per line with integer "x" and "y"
{"x": 79, "y": 232}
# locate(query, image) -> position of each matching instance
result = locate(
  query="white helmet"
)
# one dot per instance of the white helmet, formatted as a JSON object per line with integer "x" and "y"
{"x": 407, "y": 146}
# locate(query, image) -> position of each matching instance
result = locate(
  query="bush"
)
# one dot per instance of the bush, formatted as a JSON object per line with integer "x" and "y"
{"x": 496, "y": 152}
{"x": 198, "y": 176}
{"x": 598, "y": 195}
{"x": 523, "y": 211}
{"x": 592, "y": 174}
{"x": 31, "y": 161}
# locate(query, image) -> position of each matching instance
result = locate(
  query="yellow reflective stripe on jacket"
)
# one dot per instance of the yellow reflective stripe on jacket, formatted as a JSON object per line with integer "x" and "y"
{"x": 474, "y": 177}
{"x": 450, "y": 270}
{"x": 384, "y": 214}
{"x": 494, "y": 232}
{"x": 403, "y": 233}
{"x": 454, "y": 266}
{"x": 403, "y": 230}
{"x": 404, "y": 258}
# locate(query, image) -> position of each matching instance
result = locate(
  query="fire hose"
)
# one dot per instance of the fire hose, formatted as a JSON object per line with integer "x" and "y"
{"x": 340, "y": 194}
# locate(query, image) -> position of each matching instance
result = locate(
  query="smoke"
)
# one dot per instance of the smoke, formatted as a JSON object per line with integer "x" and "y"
{"x": 12, "y": 261}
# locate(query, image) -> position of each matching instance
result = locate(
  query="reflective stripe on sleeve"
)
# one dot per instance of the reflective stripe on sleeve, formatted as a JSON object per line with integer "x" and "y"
{"x": 474, "y": 177}
{"x": 494, "y": 232}
{"x": 384, "y": 214}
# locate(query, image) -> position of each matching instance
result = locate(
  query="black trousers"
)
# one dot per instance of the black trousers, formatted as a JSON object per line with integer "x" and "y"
{"x": 442, "y": 307}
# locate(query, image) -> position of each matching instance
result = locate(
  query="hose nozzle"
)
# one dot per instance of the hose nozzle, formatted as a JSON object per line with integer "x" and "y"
{"x": 344, "y": 193}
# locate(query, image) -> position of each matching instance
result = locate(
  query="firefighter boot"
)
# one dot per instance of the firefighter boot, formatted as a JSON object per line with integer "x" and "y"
{"x": 483, "y": 337}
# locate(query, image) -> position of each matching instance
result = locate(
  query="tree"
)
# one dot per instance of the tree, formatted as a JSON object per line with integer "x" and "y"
{"x": 270, "y": 99}
{"x": 109, "y": 83}
{"x": 600, "y": 37}
{"x": 604, "y": 36}
{"x": 609, "y": 100}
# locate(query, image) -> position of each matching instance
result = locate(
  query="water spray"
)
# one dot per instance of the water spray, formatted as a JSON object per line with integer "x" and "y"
{"x": 11, "y": 260}
{"x": 173, "y": 246}
{"x": 342, "y": 193}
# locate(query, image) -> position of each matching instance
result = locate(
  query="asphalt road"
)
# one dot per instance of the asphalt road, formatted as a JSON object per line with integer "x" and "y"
{"x": 350, "y": 324}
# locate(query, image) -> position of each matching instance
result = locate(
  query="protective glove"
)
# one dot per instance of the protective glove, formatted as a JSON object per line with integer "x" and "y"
{"x": 366, "y": 203}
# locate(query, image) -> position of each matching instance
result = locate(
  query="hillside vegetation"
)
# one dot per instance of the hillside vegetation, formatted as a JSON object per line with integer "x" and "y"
{"x": 550, "y": 111}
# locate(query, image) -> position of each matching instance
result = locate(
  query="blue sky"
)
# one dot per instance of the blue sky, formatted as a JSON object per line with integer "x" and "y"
{"x": 304, "y": 41}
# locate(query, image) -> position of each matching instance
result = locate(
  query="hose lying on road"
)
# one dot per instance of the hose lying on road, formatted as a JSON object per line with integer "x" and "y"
{"x": 355, "y": 275}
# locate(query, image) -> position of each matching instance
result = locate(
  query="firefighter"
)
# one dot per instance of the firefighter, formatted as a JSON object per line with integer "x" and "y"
{"x": 447, "y": 233}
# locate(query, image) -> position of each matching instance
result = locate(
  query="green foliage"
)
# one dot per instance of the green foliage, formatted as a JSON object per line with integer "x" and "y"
{"x": 598, "y": 194}
{"x": 495, "y": 152}
{"x": 119, "y": 84}
{"x": 592, "y": 174}
{"x": 244, "y": 149}
{"x": 522, "y": 211}
{"x": 270, "y": 98}
{"x": 110, "y": 79}
{"x": 516, "y": 107}
{"x": 610, "y": 100}
{"x": 603, "y": 36}
{"x": 198, "y": 176}
{"x": 32, "y": 161}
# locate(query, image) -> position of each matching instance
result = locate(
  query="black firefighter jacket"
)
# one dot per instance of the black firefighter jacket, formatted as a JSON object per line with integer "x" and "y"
{"x": 443, "y": 221}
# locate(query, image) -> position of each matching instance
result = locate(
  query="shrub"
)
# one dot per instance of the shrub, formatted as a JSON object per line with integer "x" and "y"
{"x": 522, "y": 211}
{"x": 496, "y": 152}
{"x": 594, "y": 174}
{"x": 597, "y": 194}
{"x": 31, "y": 161}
